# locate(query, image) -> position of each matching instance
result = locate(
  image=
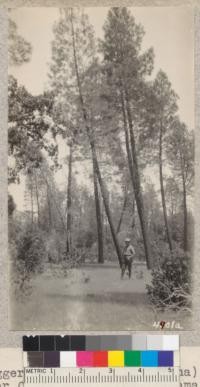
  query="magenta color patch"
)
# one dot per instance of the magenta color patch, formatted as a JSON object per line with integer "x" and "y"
{"x": 84, "y": 359}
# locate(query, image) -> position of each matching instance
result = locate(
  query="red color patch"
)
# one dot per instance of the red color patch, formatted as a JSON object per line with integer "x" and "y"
{"x": 100, "y": 359}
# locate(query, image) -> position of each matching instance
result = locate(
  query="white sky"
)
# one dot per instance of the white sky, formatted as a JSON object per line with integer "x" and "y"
{"x": 168, "y": 30}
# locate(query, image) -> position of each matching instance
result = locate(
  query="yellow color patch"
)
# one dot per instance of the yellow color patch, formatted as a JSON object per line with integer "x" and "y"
{"x": 116, "y": 359}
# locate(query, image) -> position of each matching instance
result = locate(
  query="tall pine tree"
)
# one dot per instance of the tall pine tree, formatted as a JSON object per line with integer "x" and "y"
{"x": 73, "y": 52}
{"x": 126, "y": 69}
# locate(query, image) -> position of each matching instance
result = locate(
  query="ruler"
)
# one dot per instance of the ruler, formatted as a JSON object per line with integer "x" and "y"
{"x": 142, "y": 377}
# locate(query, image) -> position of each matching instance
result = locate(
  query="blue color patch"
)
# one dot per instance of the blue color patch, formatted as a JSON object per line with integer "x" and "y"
{"x": 165, "y": 359}
{"x": 149, "y": 359}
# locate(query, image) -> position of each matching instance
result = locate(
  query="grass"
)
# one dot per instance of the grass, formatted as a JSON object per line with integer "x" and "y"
{"x": 92, "y": 297}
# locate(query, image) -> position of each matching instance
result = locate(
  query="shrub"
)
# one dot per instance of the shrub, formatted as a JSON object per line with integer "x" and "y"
{"x": 85, "y": 239}
{"x": 31, "y": 250}
{"x": 27, "y": 253}
{"x": 171, "y": 282}
{"x": 20, "y": 279}
{"x": 72, "y": 260}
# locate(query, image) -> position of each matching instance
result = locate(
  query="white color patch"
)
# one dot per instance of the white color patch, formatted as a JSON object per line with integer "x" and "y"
{"x": 171, "y": 343}
{"x": 68, "y": 359}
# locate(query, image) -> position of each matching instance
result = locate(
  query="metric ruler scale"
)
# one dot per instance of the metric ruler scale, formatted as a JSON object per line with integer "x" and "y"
{"x": 166, "y": 377}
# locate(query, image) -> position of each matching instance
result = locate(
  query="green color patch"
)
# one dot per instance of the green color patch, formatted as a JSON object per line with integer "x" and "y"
{"x": 132, "y": 358}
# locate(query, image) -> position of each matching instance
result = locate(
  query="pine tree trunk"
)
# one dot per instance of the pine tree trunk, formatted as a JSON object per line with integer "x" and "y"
{"x": 128, "y": 152}
{"x": 69, "y": 202}
{"x": 133, "y": 219}
{"x": 98, "y": 218}
{"x": 185, "y": 237}
{"x": 185, "y": 222}
{"x": 32, "y": 220}
{"x": 122, "y": 212}
{"x": 93, "y": 150}
{"x": 49, "y": 207}
{"x": 105, "y": 201}
{"x": 163, "y": 191}
{"x": 37, "y": 197}
{"x": 137, "y": 186}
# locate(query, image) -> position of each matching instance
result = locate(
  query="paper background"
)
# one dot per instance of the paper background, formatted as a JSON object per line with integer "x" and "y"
{"x": 13, "y": 339}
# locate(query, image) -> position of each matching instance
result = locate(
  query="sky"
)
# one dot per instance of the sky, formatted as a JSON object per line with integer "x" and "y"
{"x": 168, "y": 30}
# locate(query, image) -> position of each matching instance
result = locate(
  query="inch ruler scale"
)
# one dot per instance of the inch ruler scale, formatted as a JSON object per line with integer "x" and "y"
{"x": 143, "y": 377}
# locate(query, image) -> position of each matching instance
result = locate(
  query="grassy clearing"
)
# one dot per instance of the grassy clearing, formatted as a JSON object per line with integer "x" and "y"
{"x": 92, "y": 297}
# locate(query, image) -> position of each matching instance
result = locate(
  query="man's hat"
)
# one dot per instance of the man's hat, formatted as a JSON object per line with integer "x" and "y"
{"x": 127, "y": 240}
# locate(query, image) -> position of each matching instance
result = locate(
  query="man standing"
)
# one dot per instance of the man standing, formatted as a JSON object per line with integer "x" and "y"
{"x": 128, "y": 255}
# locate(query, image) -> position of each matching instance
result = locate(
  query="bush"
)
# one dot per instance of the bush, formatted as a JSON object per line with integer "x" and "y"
{"x": 27, "y": 253}
{"x": 85, "y": 239}
{"x": 20, "y": 279}
{"x": 72, "y": 260}
{"x": 31, "y": 250}
{"x": 171, "y": 282}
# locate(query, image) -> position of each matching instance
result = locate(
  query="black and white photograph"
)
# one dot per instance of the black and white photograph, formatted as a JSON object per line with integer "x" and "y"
{"x": 101, "y": 168}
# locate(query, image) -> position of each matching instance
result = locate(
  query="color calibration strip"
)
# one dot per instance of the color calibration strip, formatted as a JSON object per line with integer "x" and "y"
{"x": 101, "y": 351}
{"x": 81, "y": 359}
{"x": 101, "y": 343}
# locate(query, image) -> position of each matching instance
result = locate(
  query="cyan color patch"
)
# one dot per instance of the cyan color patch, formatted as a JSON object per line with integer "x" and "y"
{"x": 149, "y": 359}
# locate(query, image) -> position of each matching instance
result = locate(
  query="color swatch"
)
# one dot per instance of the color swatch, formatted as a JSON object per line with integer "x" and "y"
{"x": 101, "y": 351}
{"x": 68, "y": 359}
{"x": 132, "y": 359}
{"x": 115, "y": 358}
{"x": 81, "y": 359}
{"x": 101, "y": 343}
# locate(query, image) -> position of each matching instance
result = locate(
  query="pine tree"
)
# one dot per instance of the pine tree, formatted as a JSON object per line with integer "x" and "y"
{"x": 160, "y": 110}
{"x": 73, "y": 52}
{"x": 126, "y": 69}
{"x": 180, "y": 151}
